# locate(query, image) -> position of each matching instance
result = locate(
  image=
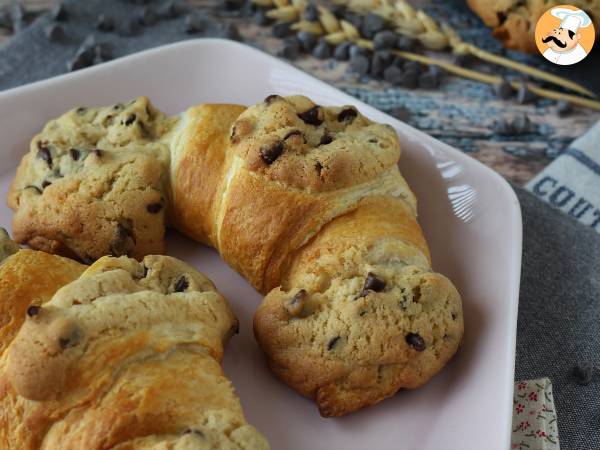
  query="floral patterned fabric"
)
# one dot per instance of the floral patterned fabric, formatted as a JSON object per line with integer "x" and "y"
{"x": 534, "y": 416}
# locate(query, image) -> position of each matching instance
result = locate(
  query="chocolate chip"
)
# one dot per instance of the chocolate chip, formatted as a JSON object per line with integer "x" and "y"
{"x": 118, "y": 106}
{"x": 58, "y": 12}
{"x": 319, "y": 167}
{"x": 322, "y": 50}
{"x": 325, "y": 139}
{"x": 342, "y": 51}
{"x": 312, "y": 116}
{"x": 196, "y": 432}
{"x": 503, "y": 89}
{"x": 45, "y": 184}
{"x": 35, "y": 188}
{"x": 372, "y": 283}
{"x": 415, "y": 341}
{"x": 347, "y": 114}
{"x": 295, "y": 305}
{"x": 75, "y": 154}
{"x": 269, "y": 153}
{"x": 105, "y": 23}
{"x": 98, "y": 153}
{"x": 33, "y": 310}
{"x": 44, "y": 154}
{"x": 153, "y": 208}
{"x": 311, "y": 13}
{"x": 307, "y": 40}
{"x": 55, "y": 32}
{"x": 71, "y": 340}
{"x": 130, "y": 119}
{"x": 372, "y": 141}
{"x": 384, "y": 40}
{"x": 454, "y": 316}
{"x": 332, "y": 342}
{"x": 362, "y": 313}
{"x": 81, "y": 110}
{"x": 182, "y": 284}
{"x": 282, "y": 29}
{"x": 273, "y": 97}
{"x": 294, "y": 133}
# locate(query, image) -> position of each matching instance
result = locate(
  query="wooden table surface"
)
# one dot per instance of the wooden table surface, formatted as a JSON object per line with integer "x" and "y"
{"x": 461, "y": 113}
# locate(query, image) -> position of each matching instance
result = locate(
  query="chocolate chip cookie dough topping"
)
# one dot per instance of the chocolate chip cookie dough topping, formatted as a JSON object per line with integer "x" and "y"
{"x": 33, "y": 310}
{"x": 347, "y": 114}
{"x": 326, "y": 139}
{"x": 44, "y": 153}
{"x": 71, "y": 339}
{"x": 181, "y": 284}
{"x": 269, "y": 153}
{"x": 416, "y": 341}
{"x": 75, "y": 154}
{"x": 154, "y": 208}
{"x": 272, "y": 98}
{"x": 313, "y": 116}
{"x": 332, "y": 343}
{"x": 295, "y": 305}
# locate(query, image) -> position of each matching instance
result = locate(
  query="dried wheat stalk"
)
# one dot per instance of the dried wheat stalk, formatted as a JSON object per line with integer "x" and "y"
{"x": 426, "y": 31}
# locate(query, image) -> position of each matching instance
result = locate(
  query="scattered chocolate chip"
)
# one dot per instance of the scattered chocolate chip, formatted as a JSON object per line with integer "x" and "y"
{"x": 282, "y": 29}
{"x": 71, "y": 340}
{"x": 261, "y": 19}
{"x": 98, "y": 153}
{"x": 332, "y": 342}
{"x": 122, "y": 234}
{"x": 312, "y": 116}
{"x": 271, "y": 98}
{"x": 290, "y": 49}
{"x": 524, "y": 95}
{"x": 105, "y": 23}
{"x": 503, "y": 89}
{"x": 35, "y": 188}
{"x": 322, "y": 50}
{"x": 196, "y": 432}
{"x": 294, "y": 133}
{"x": 130, "y": 119}
{"x": 269, "y": 153}
{"x": 154, "y": 208}
{"x": 454, "y": 316}
{"x": 406, "y": 43}
{"x": 415, "y": 341}
{"x": 326, "y": 139}
{"x": 182, "y": 284}
{"x": 311, "y": 13}
{"x": 118, "y": 106}
{"x": 583, "y": 373}
{"x": 359, "y": 65}
{"x": 33, "y": 310}
{"x": 55, "y": 32}
{"x": 342, "y": 51}
{"x": 372, "y": 141}
{"x": 372, "y": 24}
{"x": 347, "y": 114}
{"x": 231, "y": 31}
{"x": 372, "y": 283}
{"x": 81, "y": 110}
{"x": 563, "y": 107}
{"x": 384, "y": 40}
{"x": 44, "y": 154}
{"x": 319, "y": 167}
{"x": 45, "y": 184}
{"x": 307, "y": 40}
{"x": 295, "y": 305}
{"x": 147, "y": 16}
{"x": 58, "y": 12}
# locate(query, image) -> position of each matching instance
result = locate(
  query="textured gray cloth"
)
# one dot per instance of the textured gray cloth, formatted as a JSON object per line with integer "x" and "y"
{"x": 559, "y": 313}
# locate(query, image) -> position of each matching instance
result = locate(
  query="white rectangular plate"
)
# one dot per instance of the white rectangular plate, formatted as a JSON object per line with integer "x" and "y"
{"x": 470, "y": 215}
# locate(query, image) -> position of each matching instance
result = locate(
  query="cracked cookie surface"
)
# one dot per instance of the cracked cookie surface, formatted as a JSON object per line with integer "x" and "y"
{"x": 94, "y": 183}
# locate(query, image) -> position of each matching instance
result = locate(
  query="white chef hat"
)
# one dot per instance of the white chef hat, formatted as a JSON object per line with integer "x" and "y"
{"x": 571, "y": 20}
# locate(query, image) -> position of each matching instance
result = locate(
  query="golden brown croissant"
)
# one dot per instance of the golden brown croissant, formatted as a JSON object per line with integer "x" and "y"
{"x": 127, "y": 357}
{"x": 305, "y": 201}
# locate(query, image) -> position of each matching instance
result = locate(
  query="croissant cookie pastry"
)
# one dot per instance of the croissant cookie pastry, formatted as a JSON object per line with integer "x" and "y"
{"x": 125, "y": 356}
{"x": 305, "y": 201}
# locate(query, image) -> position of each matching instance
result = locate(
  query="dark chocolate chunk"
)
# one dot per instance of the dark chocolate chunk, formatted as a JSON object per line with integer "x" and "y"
{"x": 372, "y": 283}
{"x": 55, "y": 32}
{"x": 359, "y": 64}
{"x": 415, "y": 341}
{"x": 192, "y": 23}
{"x": 347, "y": 114}
{"x": 71, "y": 340}
{"x": 33, "y": 310}
{"x": 326, "y": 139}
{"x": 130, "y": 119}
{"x": 454, "y": 316}
{"x": 231, "y": 31}
{"x": 154, "y": 208}
{"x": 384, "y": 40}
{"x": 342, "y": 51}
{"x": 35, "y": 188}
{"x": 290, "y": 49}
{"x": 105, "y": 23}
{"x": 44, "y": 154}
{"x": 269, "y": 153}
{"x": 81, "y": 110}
{"x": 524, "y": 95}
{"x": 294, "y": 133}
{"x": 147, "y": 16}
{"x": 58, "y": 12}
{"x": 295, "y": 305}
{"x": 319, "y": 167}
{"x": 583, "y": 373}
{"x": 45, "y": 184}
{"x": 332, "y": 342}
{"x": 98, "y": 153}
{"x": 182, "y": 284}
{"x": 307, "y": 40}
{"x": 312, "y": 116}
{"x": 311, "y": 13}
{"x": 563, "y": 107}
{"x": 322, "y": 49}
{"x": 196, "y": 432}
{"x": 503, "y": 89}
{"x": 145, "y": 271}
{"x": 271, "y": 98}
{"x": 282, "y": 29}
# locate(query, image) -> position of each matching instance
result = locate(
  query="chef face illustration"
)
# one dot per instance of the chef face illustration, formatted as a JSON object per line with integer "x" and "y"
{"x": 562, "y": 43}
